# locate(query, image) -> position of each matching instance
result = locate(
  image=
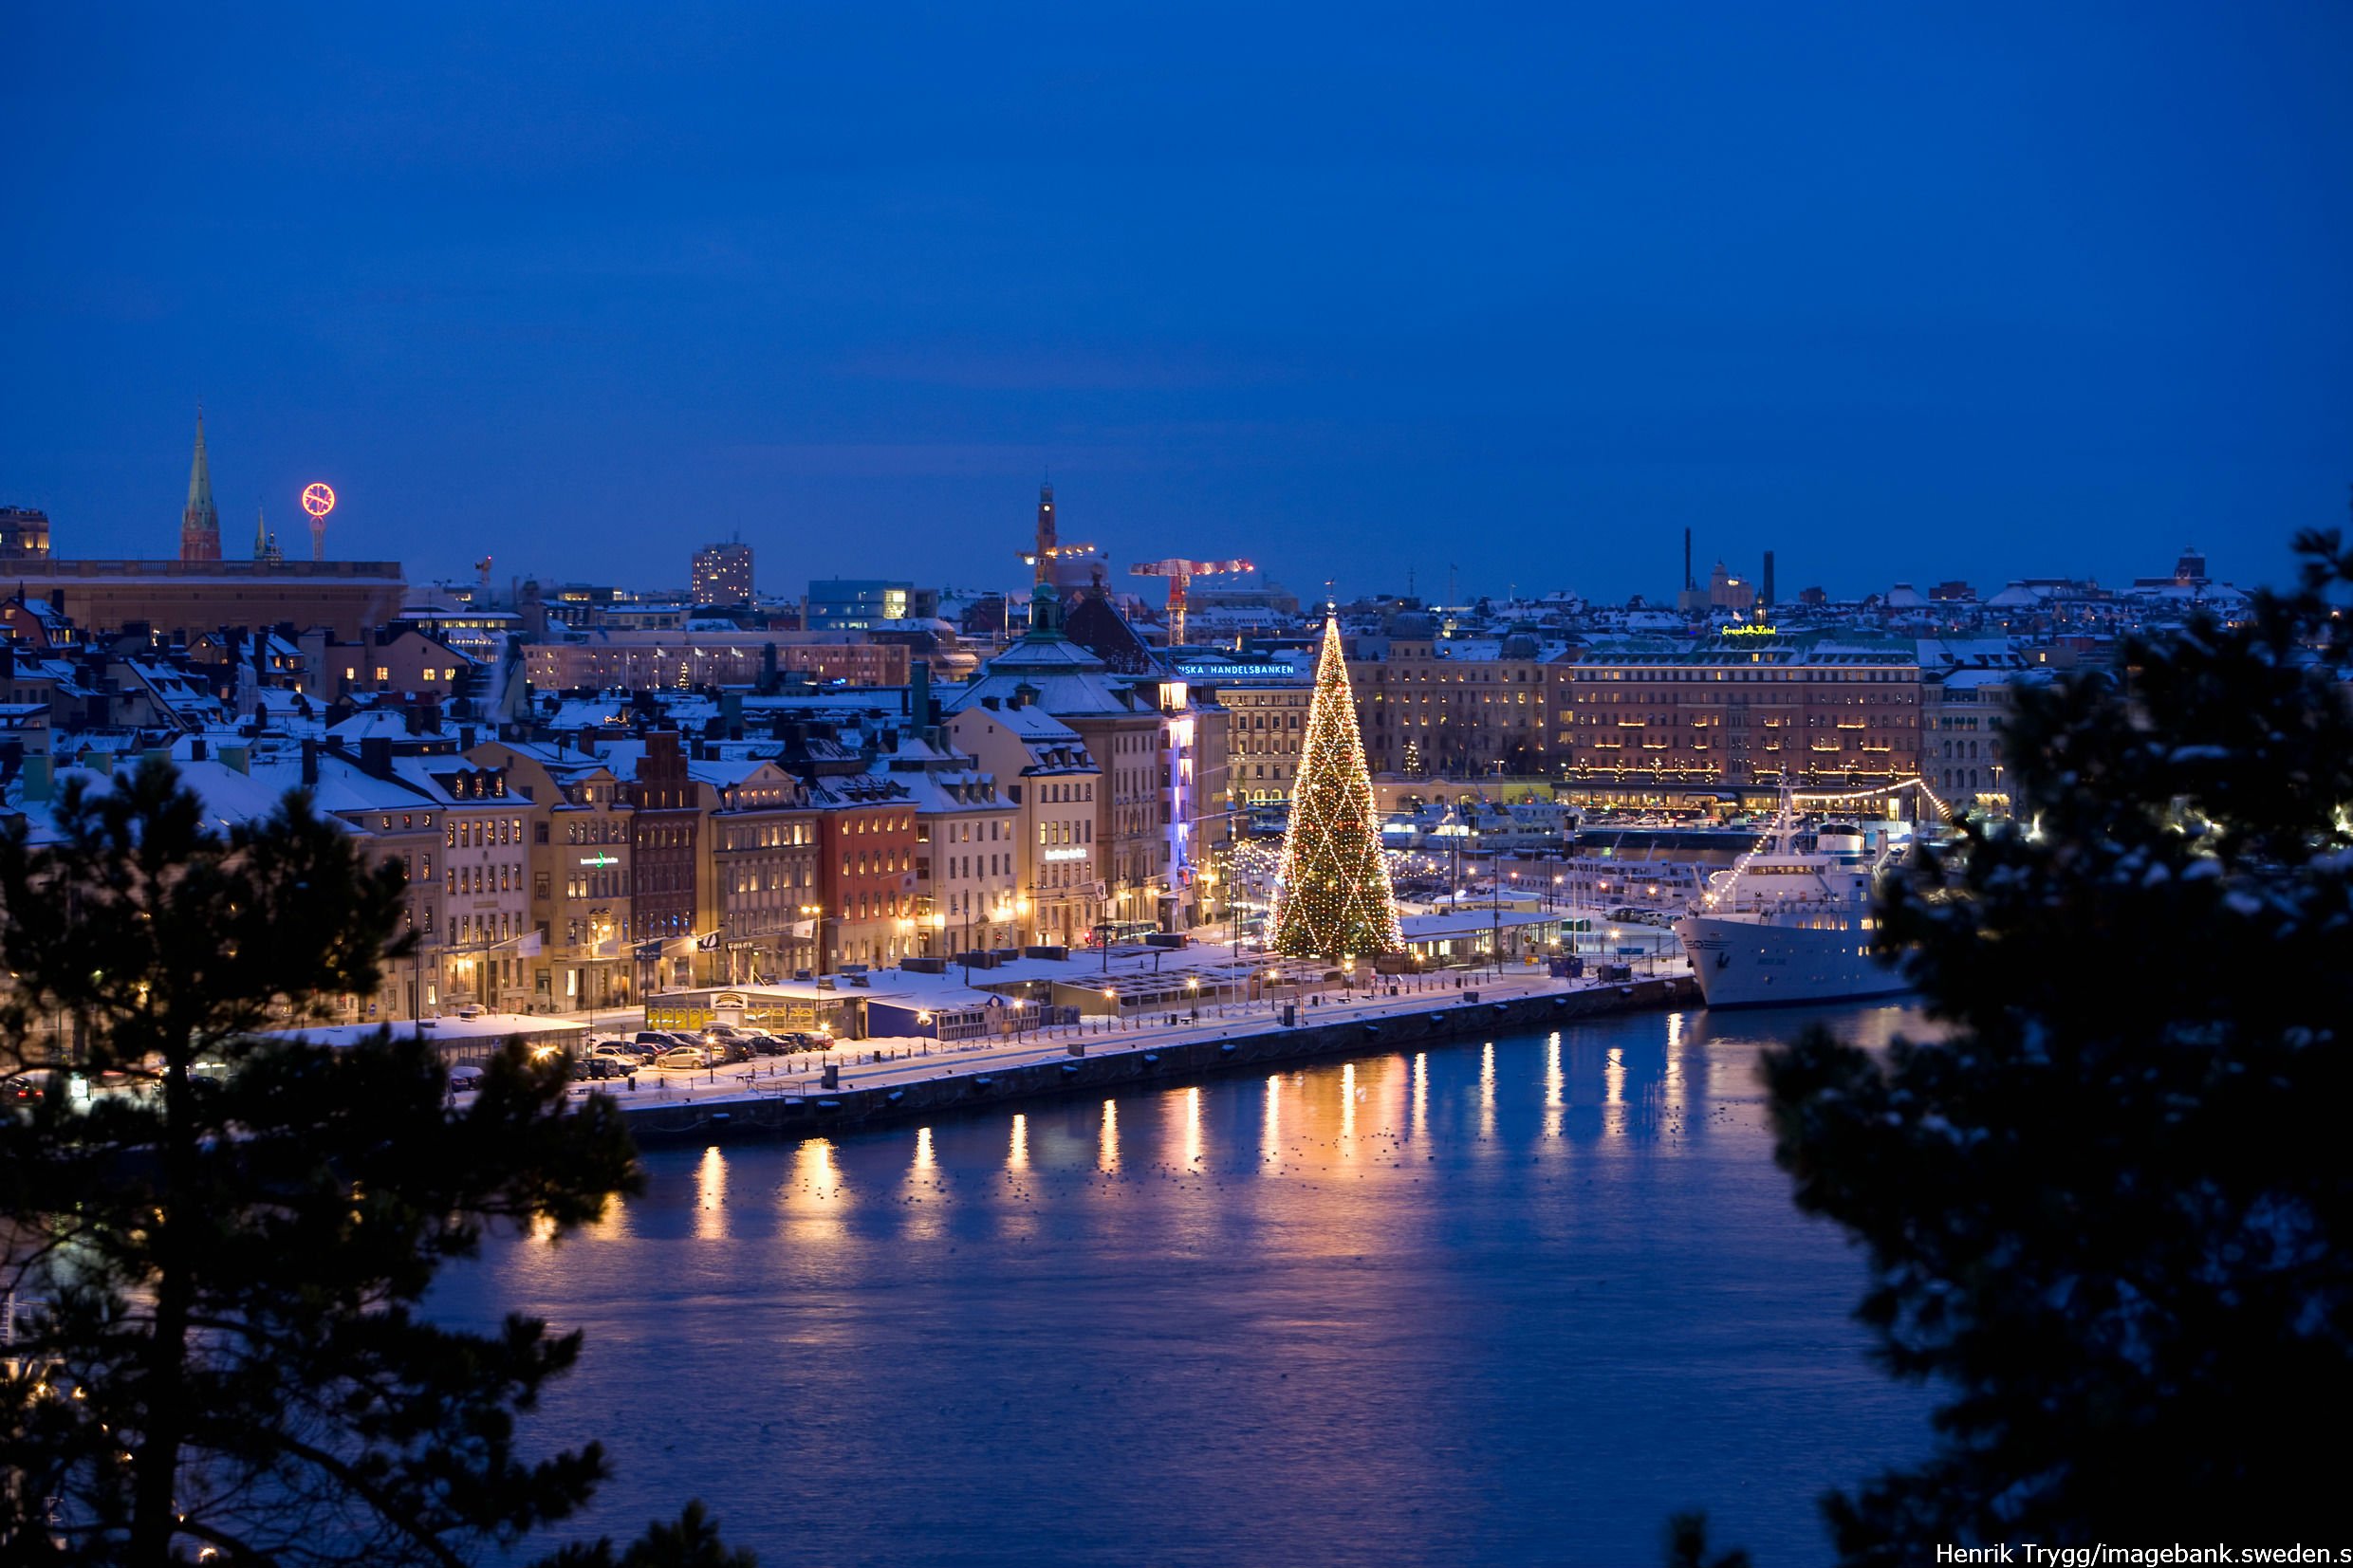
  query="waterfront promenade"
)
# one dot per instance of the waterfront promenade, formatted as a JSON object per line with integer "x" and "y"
{"x": 892, "y": 1078}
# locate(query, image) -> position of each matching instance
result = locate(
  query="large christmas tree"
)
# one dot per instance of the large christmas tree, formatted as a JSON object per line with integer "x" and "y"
{"x": 1332, "y": 897}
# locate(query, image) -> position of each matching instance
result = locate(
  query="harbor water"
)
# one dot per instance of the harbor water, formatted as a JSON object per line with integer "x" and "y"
{"x": 1508, "y": 1301}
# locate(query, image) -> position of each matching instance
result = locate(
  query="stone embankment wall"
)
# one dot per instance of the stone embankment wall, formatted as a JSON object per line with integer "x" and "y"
{"x": 1107, "y": 1068}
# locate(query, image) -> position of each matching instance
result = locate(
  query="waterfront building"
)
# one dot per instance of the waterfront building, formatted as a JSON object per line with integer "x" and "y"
{"x": 1454, "y": 708}
{"x": 1266, "y": 706}
{"x": 667, "y": 895}
{"x": 1050, "y": 782}
{"x": 867, "y": 870}
{"x": 967, "y": 863}
{"x": 1963, "y": 714}
{"x": 1742, "y": 709}
{"x": 485, "y": 886}
{"x": 580, "y": 882}
{"x": 1143, "y": 736}
{"x": 763, "y": 852}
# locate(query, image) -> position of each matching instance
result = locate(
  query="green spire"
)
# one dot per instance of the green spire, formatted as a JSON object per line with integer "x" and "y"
{"x": 200, "y": 477}
{"x": 199, "y": 525}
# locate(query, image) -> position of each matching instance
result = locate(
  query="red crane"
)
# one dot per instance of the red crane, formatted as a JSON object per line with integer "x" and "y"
{"x": 1180, "y": 574}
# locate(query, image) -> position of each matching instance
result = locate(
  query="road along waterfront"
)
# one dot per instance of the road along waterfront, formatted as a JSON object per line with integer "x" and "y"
{"x": 880, "y": 1081}
{"x": 1503, "y": 1300}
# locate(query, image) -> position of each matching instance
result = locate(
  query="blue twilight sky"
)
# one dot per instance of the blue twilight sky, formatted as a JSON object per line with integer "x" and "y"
{"x": 1901, "y": 291}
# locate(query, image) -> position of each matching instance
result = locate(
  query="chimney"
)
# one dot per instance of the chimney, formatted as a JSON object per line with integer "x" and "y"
{"x": 38, "y": 779}
{"x": 465, "y": 737}
{"x": 376, "y": 756}
{"x": 196, "y": 750}
{"x": 1767, "y": 594}
{"x": 920, "y": 695}
{"x": 311, "y": 763}
{"x": 238, "y": 759}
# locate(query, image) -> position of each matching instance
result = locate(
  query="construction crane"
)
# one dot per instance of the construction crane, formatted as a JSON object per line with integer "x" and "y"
{"x": 1180, "y": 574}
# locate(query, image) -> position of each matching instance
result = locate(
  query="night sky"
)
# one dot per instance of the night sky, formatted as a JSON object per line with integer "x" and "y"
{"x": 1904, "y": 292}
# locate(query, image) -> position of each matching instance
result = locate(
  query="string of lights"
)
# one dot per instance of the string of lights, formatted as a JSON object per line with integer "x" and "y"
{"x": 1333, "y": 897}
{"x": 1782, "y": 821}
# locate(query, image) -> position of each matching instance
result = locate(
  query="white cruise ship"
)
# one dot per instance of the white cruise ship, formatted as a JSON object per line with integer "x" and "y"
{"x": 1785, "y": 926}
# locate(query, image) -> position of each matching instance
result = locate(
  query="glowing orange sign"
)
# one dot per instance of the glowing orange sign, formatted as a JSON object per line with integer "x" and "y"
{"x": 318, "y": 500}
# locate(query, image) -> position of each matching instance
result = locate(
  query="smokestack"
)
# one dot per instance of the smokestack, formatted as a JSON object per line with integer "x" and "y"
{"x": 920, "y": 695}
{"x": 1769, "y": 579}
{"x": 1688, "y": 583}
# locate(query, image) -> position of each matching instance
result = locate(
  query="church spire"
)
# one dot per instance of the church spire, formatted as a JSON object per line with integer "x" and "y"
{"x": 261, "y": 535}
{"x": 199, "y": 525}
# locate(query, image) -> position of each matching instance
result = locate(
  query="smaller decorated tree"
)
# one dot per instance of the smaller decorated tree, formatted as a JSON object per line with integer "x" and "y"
{"x": 1333, "y": 898}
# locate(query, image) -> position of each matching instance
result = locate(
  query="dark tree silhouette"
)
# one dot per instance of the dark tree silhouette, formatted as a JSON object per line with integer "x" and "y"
{"x": 2108, "y": 1214}
{"x": 227, "y": 1245}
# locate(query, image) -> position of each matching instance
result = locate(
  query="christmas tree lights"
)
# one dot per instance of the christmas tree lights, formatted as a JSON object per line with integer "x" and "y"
{"x": 1333, "y": 898}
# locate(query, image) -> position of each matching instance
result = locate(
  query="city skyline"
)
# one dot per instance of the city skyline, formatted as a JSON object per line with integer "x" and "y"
{"x": 1423, "y": 583}
{"x": 1900, "y": 299}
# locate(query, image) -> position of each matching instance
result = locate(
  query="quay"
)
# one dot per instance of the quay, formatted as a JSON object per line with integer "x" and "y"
{"x": 885, "y": 1083}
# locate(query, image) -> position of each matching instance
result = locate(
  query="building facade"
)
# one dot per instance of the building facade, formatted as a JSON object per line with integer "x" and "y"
{"x": 765, "y": 847}
{"x": 722, "y": 574}
{"x": 1739, "y": 710}
{"x": 1050, "y": 779}
{"x": 680, "y": 660}
{"x": 867, "y": 870}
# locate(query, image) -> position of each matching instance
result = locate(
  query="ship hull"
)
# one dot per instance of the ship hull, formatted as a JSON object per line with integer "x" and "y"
{"x": 1746, "y": 963}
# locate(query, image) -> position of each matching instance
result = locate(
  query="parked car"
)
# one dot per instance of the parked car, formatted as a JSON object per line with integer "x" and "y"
{"x": 736, "y": 1049}
{"x": 596, "y": 1066}
{"x": 657, "y": 1040}
{"x": 763, "y": 1043}
{"x": 465, "y": 1076}
{"x": 622, "y": 1058}
{"x": 683, "y": 1056}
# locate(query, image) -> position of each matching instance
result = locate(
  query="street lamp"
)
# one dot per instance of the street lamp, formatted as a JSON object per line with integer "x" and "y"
{"x": 599, "y": 922}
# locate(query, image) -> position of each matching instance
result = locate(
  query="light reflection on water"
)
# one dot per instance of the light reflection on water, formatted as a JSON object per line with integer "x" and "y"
{"x": 1497, "y": 1303}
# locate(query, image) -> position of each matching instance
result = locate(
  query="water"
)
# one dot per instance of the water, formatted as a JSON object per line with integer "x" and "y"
{"x": 1507, "y": 1302}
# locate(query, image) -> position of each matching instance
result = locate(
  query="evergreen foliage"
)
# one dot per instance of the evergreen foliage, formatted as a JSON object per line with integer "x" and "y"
{"x": 226, "y": 1249}
{"x": 2108, "y": 1211}
{"x": 1333, "y": 895}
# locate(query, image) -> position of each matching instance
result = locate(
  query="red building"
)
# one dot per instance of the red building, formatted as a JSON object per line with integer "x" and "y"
{"x": 664, "y": 833}
{"x": 867, "y": 871}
